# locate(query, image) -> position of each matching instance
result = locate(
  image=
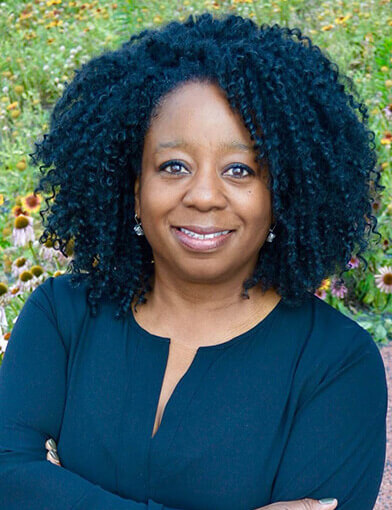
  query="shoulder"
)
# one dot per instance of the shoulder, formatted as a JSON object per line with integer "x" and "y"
{"x": 60, "y": 292}
{"x": 335, "y": 344}
{"x": 65, "y": 303}
{"x": 316, "y": 326}
{"x": 336, "y": 330}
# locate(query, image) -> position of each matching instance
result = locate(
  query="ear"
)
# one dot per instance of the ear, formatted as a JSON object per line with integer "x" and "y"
{"x": 137, "y": 196}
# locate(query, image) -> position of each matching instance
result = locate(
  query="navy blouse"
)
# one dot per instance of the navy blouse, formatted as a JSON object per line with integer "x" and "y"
{"x": 295, "y": 407}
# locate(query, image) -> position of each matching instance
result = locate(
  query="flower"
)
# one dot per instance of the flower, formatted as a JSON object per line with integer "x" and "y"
{"x": 26, "y": 282}
{"x": 23, "y": 231}
{"x": 31, "y": 202}
{"x": 338, "y": 289}
{"x": 384, "y": 279}
{"x": 3, "y": 341}
{"x": 388, "y": 111}
{"x": 21, "y": 165}
{"x": 387, "y": 139}
{"x": 320, "y": 293}
{"x": 354, "y": 261}
{"x": 325, "y": 284}
{"x": 19, "y": 265}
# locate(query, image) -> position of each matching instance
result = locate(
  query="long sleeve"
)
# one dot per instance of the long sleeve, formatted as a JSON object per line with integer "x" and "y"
{"x": 32, "y": 400}
{"x": 337, "y": 444}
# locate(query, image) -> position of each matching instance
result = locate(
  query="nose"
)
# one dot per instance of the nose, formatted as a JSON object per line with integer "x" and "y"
{"x": 205, "y": 189}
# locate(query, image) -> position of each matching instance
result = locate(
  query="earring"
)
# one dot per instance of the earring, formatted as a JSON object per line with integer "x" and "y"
{"x": 139, "y": 231}
{"x": 138, "y": 227}
{"x": 271, "y": 235}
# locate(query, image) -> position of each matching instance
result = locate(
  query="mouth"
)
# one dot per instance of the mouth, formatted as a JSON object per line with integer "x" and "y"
{"x": 203, "y": 231}
{"x": 201, "y": 242}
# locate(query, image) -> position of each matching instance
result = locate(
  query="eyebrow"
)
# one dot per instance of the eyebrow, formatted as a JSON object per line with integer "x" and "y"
{"x": 222, "y": 146}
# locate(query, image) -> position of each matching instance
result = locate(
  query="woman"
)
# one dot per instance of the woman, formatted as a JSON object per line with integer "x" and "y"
{"x": 210, "y": 175}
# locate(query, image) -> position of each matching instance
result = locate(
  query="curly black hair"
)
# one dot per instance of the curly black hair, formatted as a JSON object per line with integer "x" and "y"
{"x": 292, "y": 101}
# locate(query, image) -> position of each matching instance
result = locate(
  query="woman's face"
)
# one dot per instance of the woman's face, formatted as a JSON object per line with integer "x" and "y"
{"x": 209, "y": 185}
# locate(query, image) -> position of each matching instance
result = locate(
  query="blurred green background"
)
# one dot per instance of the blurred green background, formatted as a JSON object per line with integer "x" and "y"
{"x": 43, "y": 42}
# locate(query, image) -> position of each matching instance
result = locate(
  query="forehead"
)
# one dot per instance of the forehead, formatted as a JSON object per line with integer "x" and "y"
{"x": 197, "y": 114}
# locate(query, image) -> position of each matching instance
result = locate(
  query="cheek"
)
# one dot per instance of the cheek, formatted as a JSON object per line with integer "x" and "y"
{"x": 256, "y": 206}
{"x": 156, "y": 207}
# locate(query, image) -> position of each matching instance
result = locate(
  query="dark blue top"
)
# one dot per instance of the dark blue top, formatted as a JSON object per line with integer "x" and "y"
{"x": 293, "y": 408}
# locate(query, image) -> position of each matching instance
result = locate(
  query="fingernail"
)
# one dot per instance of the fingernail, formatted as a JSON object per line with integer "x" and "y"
{"x": 328, "y": 501}
{"x": 51, "y": 443}
{"x": 54, "y": 455}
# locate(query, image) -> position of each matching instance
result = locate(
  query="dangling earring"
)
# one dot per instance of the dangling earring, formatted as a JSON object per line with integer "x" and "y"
{"x": 140, "y": 232}
{"x": 138, "y": 227}
{"x": 271, "y": 235}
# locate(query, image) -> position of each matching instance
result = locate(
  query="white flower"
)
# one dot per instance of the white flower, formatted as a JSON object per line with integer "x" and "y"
{"x": 21, "y": 235}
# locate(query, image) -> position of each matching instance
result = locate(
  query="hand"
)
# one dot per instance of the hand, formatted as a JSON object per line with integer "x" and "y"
{"x": 300, "y": 504}
{"x": 52, "y": 455}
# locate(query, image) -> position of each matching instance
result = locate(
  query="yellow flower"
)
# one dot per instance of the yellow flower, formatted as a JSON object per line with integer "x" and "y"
{"x": 25, "y": 15}
{"x": 342, "y": 19}
{"x": 19, "y": 89}
{"x": 385, "y": 69}
{"x": 21, "y": 165}
{"x": 12, "y": 106}
{"x": 1, "y": 199}
{"x": 31, "y": 202}
{"x": 388, "y": 84}
{"x": 15, "y": 113}
{"x": 325, "y": 284}
{"x": 327, "y": 27}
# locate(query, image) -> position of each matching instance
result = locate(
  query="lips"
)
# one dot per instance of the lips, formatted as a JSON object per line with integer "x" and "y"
{"x": 198, "y": 229}
{"x": 200, "y": 245}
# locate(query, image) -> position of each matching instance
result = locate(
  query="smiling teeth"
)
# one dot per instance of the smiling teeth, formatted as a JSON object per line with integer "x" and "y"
{"x": 201, "y": 236}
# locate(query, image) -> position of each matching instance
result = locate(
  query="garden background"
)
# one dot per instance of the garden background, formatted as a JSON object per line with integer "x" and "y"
{"x": 43, "y": 42}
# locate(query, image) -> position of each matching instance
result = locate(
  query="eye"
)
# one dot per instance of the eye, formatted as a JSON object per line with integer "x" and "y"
{"x": 172, "y": 163}
{"x": 242, "y": 167}
{"x": 175, "y": 163}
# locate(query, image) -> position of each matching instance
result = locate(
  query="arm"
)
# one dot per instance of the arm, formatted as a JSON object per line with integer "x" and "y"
{"x": 337, "y": 444}
{"x": 32, "y": 399}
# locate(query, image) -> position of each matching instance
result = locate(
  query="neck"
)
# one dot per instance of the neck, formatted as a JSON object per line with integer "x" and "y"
{"x": 185, "y": 303}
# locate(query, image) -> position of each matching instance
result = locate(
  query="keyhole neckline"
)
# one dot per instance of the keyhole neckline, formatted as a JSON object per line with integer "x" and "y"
{"x": 265, "y": 321}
